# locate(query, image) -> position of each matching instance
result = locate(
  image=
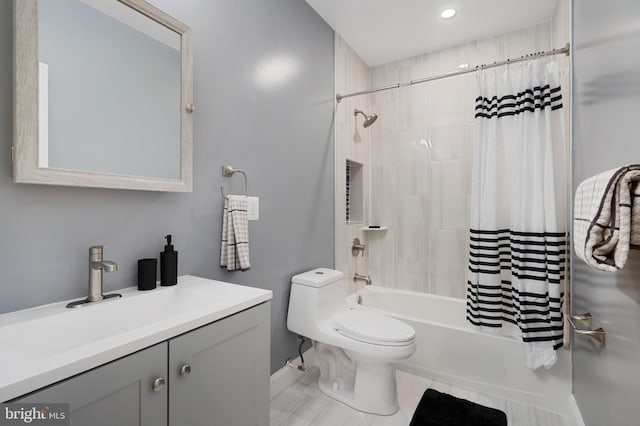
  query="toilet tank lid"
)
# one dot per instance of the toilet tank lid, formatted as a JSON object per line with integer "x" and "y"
{"x": 318, "y": 277}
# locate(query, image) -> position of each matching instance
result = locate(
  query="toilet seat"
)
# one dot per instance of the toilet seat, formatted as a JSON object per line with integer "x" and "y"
{"x": 374, "y": 329}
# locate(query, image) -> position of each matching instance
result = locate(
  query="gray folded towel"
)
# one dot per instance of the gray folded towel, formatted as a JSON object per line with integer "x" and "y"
{"x": 607, "y": 217}
{"x": 234, "y": 250}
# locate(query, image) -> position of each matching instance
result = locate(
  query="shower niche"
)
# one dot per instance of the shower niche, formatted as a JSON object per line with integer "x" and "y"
{"x": 354, "y": 192}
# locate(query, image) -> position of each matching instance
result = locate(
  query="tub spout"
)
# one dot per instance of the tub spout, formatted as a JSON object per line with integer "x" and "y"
{"x": 359, "y": 277}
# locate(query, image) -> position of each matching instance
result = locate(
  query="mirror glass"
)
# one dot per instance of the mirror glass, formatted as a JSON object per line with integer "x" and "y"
{"x": 103, "y": 93}
{"x": 109, "y": 92}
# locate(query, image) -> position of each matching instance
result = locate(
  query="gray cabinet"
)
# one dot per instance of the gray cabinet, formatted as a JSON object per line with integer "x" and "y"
{"x": 215, "y": 375}
{"x": 229, "y": 380}
{"x": 118, "y": 393}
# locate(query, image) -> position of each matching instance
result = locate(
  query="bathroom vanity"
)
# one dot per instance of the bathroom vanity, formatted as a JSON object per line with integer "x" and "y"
{"x": 193, "y": 354}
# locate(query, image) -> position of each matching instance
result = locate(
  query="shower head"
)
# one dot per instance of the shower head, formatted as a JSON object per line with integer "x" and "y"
{"x": 368, "y": 119}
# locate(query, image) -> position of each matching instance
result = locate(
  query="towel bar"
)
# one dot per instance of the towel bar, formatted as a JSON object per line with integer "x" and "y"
{"x": 228, "y": 171}
{"x": 585, "y": 319}
{"x": 599, "y": 335}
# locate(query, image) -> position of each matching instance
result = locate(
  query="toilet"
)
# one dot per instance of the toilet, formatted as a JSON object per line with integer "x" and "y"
{"x": 355, "y": 350}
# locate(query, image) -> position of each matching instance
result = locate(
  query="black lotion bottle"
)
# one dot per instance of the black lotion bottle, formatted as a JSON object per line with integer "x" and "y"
{"x": 168, "y": 264}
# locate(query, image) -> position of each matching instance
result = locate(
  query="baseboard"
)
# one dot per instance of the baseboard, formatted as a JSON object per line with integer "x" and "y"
{"x": 285, "y": 377}
{"x": 574, "y": 412}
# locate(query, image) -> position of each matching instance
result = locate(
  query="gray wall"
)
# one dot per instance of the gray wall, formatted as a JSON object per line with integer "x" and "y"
{"x": 606, "y": 39}
{"x": 282, "y": 136}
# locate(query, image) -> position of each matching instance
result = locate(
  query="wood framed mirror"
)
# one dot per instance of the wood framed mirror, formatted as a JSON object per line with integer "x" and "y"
{"x": 103, "y": 95}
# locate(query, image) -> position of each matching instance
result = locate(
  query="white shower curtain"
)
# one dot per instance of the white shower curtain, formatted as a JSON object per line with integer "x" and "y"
{"x": 518, "y": 241}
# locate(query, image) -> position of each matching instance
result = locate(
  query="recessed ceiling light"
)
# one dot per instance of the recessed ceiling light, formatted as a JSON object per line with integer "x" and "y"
{"x": 463, "y": 66}
{"x": 448, "y": 13}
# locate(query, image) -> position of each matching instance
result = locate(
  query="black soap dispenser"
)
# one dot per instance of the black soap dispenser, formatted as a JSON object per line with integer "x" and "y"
{"x": 168, "y": 264}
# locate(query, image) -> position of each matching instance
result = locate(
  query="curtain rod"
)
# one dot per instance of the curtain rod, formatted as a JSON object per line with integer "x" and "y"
{"x": 565, "y": 50}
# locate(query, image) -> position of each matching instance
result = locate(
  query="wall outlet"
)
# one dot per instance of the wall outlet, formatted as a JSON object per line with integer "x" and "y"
{"x": 253, "y": 208}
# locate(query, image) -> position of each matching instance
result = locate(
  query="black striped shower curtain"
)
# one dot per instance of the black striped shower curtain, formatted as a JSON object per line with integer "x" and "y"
{"x": 518, "y": 221}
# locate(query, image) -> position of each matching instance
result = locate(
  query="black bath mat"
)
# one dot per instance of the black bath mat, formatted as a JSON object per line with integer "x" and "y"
{"x": 439, "y": 409}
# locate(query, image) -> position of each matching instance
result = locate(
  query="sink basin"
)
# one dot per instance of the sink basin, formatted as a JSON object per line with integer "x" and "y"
{"x": 72, "y": 328}
{"x": 49, "y": 343}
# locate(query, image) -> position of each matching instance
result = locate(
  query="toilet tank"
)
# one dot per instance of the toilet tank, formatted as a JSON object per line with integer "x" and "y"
{"x": 316, "y": 296}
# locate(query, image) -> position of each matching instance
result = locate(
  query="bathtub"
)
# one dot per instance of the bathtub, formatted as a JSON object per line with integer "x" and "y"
{"x": 452, "y": 351}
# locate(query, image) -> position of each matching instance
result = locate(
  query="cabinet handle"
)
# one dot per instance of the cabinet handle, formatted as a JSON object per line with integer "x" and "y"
{"x": 185, "y": 370}
{"x": 158, "y": 384}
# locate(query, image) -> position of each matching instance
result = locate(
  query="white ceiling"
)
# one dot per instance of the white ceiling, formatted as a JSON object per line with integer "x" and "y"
{"x": 383, "y": 31}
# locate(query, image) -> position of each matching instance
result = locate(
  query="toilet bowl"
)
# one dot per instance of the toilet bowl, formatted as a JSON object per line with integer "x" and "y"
{"x": 355, "y": 350}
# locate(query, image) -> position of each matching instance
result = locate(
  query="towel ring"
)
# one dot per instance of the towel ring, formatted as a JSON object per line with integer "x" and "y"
{"x": 228, "y": 171}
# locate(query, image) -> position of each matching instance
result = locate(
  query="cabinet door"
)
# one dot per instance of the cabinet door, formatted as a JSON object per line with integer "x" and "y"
{"x": 228, "y": 383}
{"x": 119, "y": 393}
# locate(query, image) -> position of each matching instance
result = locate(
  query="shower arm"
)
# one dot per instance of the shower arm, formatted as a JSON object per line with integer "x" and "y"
{"x": 369, "y": 119}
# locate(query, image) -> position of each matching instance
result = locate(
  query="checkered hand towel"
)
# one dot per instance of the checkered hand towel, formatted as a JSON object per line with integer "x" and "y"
{"x": 607, "y": 217}
{"x": 234, "y": 250}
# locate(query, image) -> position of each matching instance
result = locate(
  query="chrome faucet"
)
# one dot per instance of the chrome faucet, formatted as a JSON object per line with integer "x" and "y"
{"x": 97, "y": 266}
{"x": 359, "y": 277}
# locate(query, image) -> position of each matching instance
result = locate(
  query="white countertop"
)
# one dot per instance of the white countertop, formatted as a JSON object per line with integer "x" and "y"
{"x": 43, "y": 345}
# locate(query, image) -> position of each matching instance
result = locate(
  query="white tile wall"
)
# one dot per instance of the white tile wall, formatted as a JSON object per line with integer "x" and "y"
{"x": 421, "y": 193}
{"x": 353, "y": 143}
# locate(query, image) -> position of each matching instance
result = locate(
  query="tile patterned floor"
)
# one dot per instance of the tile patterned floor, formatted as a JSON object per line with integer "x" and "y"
{"x": 302, "y": 404}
